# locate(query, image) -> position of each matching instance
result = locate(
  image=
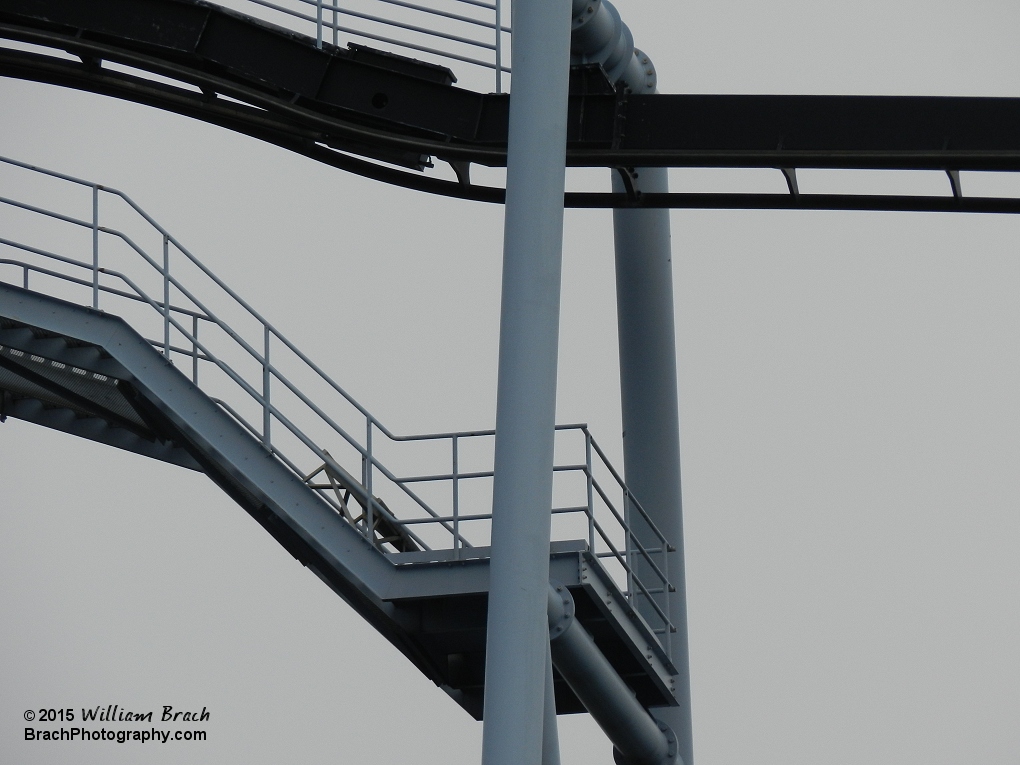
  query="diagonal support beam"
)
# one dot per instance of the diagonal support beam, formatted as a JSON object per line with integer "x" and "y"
{"x": 638, "y": 739}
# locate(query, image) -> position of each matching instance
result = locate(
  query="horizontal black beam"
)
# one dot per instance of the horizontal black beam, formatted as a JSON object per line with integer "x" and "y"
{"x": 322, "y": 103}
{"x": 875, "y": 202}
{"x": 900, "y": 132}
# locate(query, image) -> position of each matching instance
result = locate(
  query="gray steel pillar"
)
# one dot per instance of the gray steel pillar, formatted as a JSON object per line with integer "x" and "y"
{"x": 550, "y": 733}
{"x": 517, "y": 641}
{"x": 651, "y": 420}
{"x": 644, "y": 295}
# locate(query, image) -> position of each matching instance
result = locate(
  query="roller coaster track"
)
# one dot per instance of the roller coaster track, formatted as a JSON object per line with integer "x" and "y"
{"x": 71, "y": 367}
{"x": 385, "y": 116}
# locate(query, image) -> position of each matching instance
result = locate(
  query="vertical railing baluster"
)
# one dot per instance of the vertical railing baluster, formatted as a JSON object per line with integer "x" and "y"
{"x": 336, "y": 32}
{"x": 318, "y": 24}
{"x": 95, "y": 246}
{"x": 26, "y": 277}
{"x": 499, "y": 47}
{"x": 664, "y": 566}
{"x": 370, "y": 502}
{"x": 266, "y": 379}
{"x": 456, "y": 498}
{"x": 194, "y": 349}
{"x": 591, "y": 500}
{"x": 628, "y": 549}
{"x": 666, "y": 599}
{"x": 166, "y": 296}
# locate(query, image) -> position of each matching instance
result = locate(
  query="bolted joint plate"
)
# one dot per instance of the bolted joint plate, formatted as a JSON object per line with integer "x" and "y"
{"x": 561, "y": 610}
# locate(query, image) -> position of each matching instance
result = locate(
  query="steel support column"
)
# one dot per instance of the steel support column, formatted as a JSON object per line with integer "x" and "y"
{"x": 550, "y": 732}
{"x": 517, "y": 642}
{"x": 651, "y": 420}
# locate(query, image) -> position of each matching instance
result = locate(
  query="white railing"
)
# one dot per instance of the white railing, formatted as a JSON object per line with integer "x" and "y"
{"x": 403, "y": 493}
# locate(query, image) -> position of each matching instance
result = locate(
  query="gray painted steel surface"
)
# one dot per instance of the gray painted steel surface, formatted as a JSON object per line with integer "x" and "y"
{"x": 651, "y": 420}
{"x": 401, "y": 594}
{"x": 517, "y": 640}
{"x": 638, "y": 739}
{"x": 550, "y": 732}
{"x": 648, "y": 379}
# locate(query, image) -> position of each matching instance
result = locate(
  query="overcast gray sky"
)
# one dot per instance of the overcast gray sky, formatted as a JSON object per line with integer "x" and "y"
{"x": 850, "y": 427}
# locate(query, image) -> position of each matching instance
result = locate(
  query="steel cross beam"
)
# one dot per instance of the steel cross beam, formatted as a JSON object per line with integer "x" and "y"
{"x": 319, "y": 102}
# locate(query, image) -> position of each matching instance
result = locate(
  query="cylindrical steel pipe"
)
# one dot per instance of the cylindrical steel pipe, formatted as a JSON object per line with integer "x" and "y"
{"x": 517, "y": 636}
{"x": 648, "y": 348}
{"x": 550, "y": 732}
{"x": 637, "y": 737}
{"x": 648, "y": 378}
{"x": 599, "y": 36}
{"x": 651, "y": 419}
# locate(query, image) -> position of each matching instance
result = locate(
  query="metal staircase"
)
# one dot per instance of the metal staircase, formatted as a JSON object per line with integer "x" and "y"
{"x": 111, "y": 330}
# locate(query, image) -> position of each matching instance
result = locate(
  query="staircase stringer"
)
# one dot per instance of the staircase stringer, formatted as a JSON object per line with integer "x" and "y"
{"x": 296, "y": 516}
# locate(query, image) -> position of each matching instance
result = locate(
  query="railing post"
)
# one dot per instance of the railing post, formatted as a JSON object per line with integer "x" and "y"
{"x": 667, "y": 596}
{"x": 499, "y": 46}
{"x": 456, "y": 498}
{"x": 628, "y": 553}
{"x": 166, "y": 296}
{"x": 591, "y": 498}
{"x": 266, "y": 381}
{"x": 95, "y": 246}
{"x": 370, "y": 502}
{"x": 318, "y": 24}
{"x": 194, "y": 349}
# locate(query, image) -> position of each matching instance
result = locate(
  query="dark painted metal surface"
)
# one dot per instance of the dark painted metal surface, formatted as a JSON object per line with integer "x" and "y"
{"x": 52, "y": 381}
{"x": 333, "y": 103}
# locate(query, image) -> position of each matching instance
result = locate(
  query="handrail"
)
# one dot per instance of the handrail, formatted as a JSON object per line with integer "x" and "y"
{"x": 404, "y": 26}
{"x": 605, "y": 510}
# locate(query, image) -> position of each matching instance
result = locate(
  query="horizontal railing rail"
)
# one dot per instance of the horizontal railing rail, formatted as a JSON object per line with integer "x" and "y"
{"x": 449, "y": 32}
{"x": 262, "y": 381}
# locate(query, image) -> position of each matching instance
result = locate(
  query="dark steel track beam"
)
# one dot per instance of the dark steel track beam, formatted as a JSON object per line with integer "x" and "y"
{"x": 320, "y": 103}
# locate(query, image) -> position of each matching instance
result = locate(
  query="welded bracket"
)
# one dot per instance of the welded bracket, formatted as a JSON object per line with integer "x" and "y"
{"x": 463, "y": 170}
{"x": 790, "y": 173}
{"x": 954, "y": 181}
{"x": 629, "y": 177}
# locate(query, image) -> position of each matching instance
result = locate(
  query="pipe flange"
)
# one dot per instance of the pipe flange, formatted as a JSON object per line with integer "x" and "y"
{"x": 582, "y": 12}
{"x": 649, "y": 79}
{"x": 672, "y": 756}
{"x": 673, "y": 753}
{"x": 561, "y": 620}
